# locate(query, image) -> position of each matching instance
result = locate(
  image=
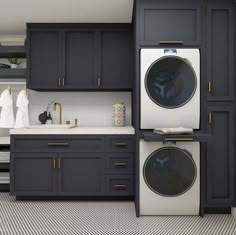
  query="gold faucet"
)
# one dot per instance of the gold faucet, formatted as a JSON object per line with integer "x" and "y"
{"x": 60, "y": 111}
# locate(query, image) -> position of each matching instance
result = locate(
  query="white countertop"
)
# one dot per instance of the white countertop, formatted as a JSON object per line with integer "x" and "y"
{"x": 5, "y": 140}
{"x": 80, "y": 130}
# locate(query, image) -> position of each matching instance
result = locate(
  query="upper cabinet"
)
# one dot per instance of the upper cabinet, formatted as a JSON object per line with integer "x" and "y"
{"x": 162, "y": 23}
{"x": 116, "y": 59}
{"x": 220, "y": 52}
{"x": 44, "y": 60}
{"x": 80, "y": 60}
{"x": 80, "y": 57}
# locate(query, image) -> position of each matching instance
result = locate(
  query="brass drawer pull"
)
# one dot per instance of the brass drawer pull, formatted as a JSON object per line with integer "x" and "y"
{"x": 58, "y": 144}
{"x": 59, "y": 81}
{"x": 120, "y": 186}
{"x": 99, "y": 82}
{"x": 120, "y": 164}
{"x": 54, "y": 164}
{"x": 171, "y": 42}
{"x": 178, "y": 139}
{"x": 209, "y": 87}
{"x": 63, "y": 81}
{"x": 59, "y": 163}
{"x": 210, "y": 118}
{"x": 121, "y": 144}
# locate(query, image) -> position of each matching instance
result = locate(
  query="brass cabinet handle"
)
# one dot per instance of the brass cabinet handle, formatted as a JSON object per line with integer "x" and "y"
{"x": 210, "y": 118}
{"x": 209, "y": 87}
{"x": 63, "y": 81}
{"x": 121, "y": 144}
{"x": 120, "y": 164}
{"x": 59, "y": 81}
{"x": 58, "y": 144}
{"x": 171, "y": 42}
{"x": 99, "y": 81}
{"x": 54, "y": 163}
{"x": 120, "y": 186}
{"x": 178, "y": 139}
{"x": 59, "y": 163}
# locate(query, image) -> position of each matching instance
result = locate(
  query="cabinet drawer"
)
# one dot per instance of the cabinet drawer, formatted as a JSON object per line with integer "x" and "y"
{"x": 57, "y": 143}
{"x": 120, "y": 185}
{"x": 119, "y": 163}
{"x": 120, "y": 144}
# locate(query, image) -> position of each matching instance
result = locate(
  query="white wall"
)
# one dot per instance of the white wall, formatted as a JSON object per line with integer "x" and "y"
{"x": 15, "y": 14}
{"x": 91, "y": 108}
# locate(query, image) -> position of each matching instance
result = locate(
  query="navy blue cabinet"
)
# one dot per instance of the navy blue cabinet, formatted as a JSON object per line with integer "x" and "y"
{"x": 44, "y": 65}
{"x": 219, "y": 56}
{"x": 33, "y": 173}
{"x": 220, "y": 52}
{"x": 72, "y": 165}
{"x": 117, "y": 61}
{"x": 80, "y": 174}
{"x": 80, "y": 58}
{"x": 208, "y": 25}
{"x": 220, "y": 157}
{"x": 169, "y": 22}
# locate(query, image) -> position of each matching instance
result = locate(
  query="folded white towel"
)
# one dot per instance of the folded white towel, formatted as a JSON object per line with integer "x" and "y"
{"x": 176, "y": 130}
{"x": 22, "y": 116}
{"x": 7, "y": 119}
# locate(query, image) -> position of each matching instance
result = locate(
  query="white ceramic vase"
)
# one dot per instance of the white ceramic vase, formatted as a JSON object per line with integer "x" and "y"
{"x": 118, "y": 114}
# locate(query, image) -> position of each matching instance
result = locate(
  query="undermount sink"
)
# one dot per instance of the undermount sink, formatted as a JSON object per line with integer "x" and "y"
{"x": 51, "y": 126}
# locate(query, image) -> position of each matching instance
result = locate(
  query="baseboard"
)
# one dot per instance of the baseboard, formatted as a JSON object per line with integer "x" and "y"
{"x": 82, "y": 198}
{"x": 217, "y": 210}
{"x": 4, "y": 188}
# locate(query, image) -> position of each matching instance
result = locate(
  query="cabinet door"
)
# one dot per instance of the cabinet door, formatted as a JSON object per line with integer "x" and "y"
{"x": 44, "y": 60}
{"x": 33, "y": 174}
{"x": 80, "y": 174}
{"x": 116, "y": 60}
{"x": 80, "y": 60}
{"x": 169, "y": 23}
{"x": 220, "y": 53}
{"x": 220, "y": 157}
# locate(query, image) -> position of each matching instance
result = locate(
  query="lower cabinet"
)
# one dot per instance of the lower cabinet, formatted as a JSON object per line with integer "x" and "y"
{"x": 33, "y": 173}
{"x": 95, "y": 170}
{"x": 220, "y": 157}
{"x": 80, "y": 174}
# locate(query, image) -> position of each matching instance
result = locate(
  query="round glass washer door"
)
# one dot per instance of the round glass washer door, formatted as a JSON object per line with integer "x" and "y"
{"x": 170, "y": 171}
{"x": 171, "y": 82}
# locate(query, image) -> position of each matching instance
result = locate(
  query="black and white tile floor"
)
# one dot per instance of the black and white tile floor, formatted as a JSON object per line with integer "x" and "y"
{"x": 95, "y": 218}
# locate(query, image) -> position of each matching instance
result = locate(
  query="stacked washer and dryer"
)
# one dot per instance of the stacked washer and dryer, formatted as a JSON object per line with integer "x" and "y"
{"x": 169, "y": 97}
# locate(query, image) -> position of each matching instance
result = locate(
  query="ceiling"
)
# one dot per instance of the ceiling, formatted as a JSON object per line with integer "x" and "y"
{"x": 14, "y": 14}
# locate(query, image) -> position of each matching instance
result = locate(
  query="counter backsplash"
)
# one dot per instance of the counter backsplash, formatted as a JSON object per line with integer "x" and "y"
{"x": 91, "y": 108}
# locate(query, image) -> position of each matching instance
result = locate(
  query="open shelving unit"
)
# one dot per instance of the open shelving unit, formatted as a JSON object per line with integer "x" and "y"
{"x": 12, "y": 73}
{"x": 9, "y": 76}
{"x": 12, "y": 51}
{"x": 9, "y": 52}
{"x": 4, "y": 164}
